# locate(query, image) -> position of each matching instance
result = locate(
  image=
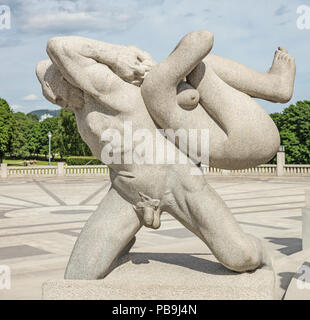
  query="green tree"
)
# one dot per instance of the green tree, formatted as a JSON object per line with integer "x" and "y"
{"x": 6, "y": 128}
{"x": 33, "y": 116}
{"x": 68, "y": 138}
{"x": 294, "y": 127}
{"x": 25, "y": 141}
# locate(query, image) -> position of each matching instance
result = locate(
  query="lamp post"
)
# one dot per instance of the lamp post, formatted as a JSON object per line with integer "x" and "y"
{"x": 49, "y": 147}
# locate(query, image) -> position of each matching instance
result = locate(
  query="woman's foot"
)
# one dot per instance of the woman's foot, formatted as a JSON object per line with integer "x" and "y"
{"x": 283, "y": 73}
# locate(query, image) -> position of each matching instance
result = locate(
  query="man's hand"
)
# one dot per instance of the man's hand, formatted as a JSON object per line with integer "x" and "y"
{"x": 132, "y": 64}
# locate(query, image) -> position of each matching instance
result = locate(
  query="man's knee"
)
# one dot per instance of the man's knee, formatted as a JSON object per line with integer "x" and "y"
{"x": 246, "y": 257}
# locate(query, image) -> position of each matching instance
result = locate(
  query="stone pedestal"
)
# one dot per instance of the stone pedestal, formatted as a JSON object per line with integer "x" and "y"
{"x": 187, "y": 276}
{"x": 165, "y": 276}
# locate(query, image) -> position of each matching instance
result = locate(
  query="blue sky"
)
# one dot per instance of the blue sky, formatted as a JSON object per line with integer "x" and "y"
{"x": 248, "y": 31}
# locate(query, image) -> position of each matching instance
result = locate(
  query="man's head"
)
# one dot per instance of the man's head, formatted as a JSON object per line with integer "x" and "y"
{"x": 56, "y": 89}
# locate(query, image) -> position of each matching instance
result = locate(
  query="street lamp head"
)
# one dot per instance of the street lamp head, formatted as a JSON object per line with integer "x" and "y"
{"x": 49, "y": 135}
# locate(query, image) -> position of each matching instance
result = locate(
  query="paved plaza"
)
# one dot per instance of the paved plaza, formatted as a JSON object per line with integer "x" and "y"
{"x": 40, "y": 219}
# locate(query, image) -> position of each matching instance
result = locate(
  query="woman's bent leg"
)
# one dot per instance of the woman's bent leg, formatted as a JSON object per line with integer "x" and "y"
{"x": 252, "y": 136}
{"x": 276, "y": 85}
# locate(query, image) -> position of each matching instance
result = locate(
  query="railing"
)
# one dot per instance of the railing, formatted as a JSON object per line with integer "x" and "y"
{"x": 86, "y": 170}
{"x": 32, "y": 171}
{"x": 62, "y": 170}
{"x": 59, "y": 170}
{"x": 263, "y": 170}
{"x": 297, "y": 170}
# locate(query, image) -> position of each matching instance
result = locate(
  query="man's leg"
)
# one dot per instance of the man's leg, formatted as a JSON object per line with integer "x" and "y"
{"x": 199, "y": 208}
{"x": 107, "y": 235}
{"x": 276, "y": 85}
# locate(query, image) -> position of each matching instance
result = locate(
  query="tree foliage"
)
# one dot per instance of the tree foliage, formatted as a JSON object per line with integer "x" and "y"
{"x": 23, "y": 135}
{"x": 69, "y": 140}
{"x": 6, "y": 128}
{"x": 294, "y": 127}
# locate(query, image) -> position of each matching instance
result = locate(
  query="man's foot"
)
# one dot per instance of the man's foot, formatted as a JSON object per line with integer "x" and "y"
{"x": 283, "y": 72}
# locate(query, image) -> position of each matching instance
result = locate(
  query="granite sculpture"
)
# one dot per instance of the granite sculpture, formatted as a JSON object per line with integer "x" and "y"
{"x": 106, "y": 85}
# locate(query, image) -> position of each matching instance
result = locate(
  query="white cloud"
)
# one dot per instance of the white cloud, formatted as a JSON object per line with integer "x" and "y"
{"x": 41, "y": 107}
{"x": 26, "y": 109}
{"x": 31, "y": 97}
{"x": 67, "y": 16}
{"x": 65, "y": 22}
{"x": 16, "y": 107}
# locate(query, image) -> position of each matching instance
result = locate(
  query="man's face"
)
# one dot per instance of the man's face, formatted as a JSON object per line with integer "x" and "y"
{"x": 56, "y": 89}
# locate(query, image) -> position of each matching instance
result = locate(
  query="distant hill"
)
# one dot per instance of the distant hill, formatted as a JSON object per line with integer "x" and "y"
{"x": 45, "y": 113}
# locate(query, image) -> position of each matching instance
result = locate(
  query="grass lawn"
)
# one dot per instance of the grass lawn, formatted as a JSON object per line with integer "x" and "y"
{"x": 15, "y": 163}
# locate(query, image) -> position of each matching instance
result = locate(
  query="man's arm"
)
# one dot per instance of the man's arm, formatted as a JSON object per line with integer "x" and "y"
{"x": 83, "y": 61}
{"x": 75, "y": 57}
